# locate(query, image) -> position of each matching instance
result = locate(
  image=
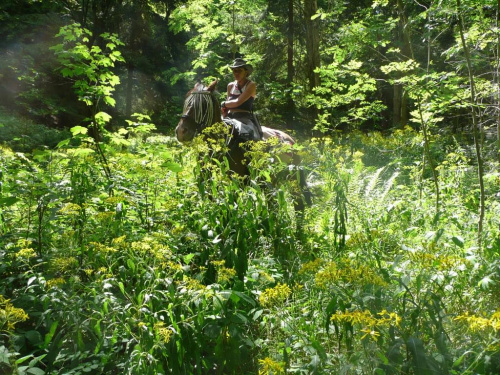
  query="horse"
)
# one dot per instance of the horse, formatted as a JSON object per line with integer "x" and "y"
{"x": 202, "y": 110}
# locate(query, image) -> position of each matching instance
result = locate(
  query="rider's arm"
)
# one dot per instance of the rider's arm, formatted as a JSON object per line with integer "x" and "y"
{"x": 250, "y": 91}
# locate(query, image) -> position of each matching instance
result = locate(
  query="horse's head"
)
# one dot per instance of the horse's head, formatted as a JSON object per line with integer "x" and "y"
{"x": 201, "y": 110}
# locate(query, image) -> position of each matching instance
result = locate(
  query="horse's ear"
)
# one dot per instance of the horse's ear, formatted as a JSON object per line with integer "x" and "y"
{"x": 198, "y": 87}
{"x": 212, "y": 86}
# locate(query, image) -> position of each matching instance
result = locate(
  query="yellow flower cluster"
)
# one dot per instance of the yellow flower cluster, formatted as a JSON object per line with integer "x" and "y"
{"x": 312, "y": 266}
{"x": 266, "y": 276}
{"x": 371, "y": 323}
{"x": 481, "y": 323}
{"x": 224, "y": 274}
{"x": 10, "y": 315}
{"x": 64, "y": 264}
{"x": 275, "y": 296}
{"x": 193, "y": 284}
{"x": 105, "y": 216}
{"x": 102, "y": 249}
{"x": 114, "y": 200}
{"x": 271, "y": 367}
{"x": 55, "y": 282}
{"x": 25, "y": 254}
{"x": 348, "y": 272}
{"x": 151, "y": 246}
{"x": 163, "y": 333}
{"x": 171, "y": 266}
{"x": 119, "y": 242}
{"x": 216, "y": 136}
{"x": 442, "y": 262}
{"x": 88, "y": 271}
{"x": 70, "y": 209}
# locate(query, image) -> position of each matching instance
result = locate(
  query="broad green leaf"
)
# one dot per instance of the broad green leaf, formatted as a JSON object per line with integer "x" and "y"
{"x": 102, "y": 117}
{"x": 459, "y": 241}
{"x": 35, "y": 371}
{"x": 50, "y": 334}
{"x": 75, "y": 130}
{"x": 82, "y": 151}
{"x": 63, "y": 143}
{"x": 172, "y": 166}
{"x": 8, "y": 201}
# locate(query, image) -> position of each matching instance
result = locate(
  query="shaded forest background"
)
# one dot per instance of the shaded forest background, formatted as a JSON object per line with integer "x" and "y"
{"x": 319, "y": 65}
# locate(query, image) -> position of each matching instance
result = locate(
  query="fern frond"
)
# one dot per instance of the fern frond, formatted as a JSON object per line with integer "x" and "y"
{"x": 372, "y": 184}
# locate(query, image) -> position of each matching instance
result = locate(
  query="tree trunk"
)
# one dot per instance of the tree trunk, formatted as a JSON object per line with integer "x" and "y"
{"x": 312, "y": 42}
{"x": 498, "y": 81}
{"x": 129, "y": 94}
{"x": 396, "y": 105}
{"x": 400, "y": 118}
{"x": 290, "y": 68}
{"x": 475, "y": 124}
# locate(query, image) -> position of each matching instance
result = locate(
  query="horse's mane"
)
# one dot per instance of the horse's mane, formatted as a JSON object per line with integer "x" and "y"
{"x": 203, "y": 103}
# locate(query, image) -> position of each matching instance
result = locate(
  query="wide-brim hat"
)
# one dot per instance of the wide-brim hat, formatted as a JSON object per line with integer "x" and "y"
{"x": 240, "y": 63}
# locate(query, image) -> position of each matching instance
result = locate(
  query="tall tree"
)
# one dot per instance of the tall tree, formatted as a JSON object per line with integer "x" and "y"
{"x": 312, "y": 42}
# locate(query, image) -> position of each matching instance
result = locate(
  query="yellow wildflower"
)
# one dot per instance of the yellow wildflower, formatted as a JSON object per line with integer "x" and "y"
{"x": 224, "y": 274}
{"x": 312, "y": 266}
{"x": 10, "y": 315}
{"x": 266, "y": 276}
{"x": 271, "y": 367}
{"x": 88, "y": 271}
{"x": 102, "y": 249}
{"x": 64, "y": 264}
{"x": 114, "y": 200}
{"x": 105, "y": 216}
{"x": 481, "y": 323}
{"x": 193, "y": 284}
{"x": 55, "y": 282}
{"x": 370, "y": 333}
{"x": 70, "y": 209}
{"x": 275, "y": 296}
{"x": 25, "y": 254}
{"x": 347, "y": 272}
{"x": 163, "y": 333}
{"x": 367, "y": 320}
{"x": 119, "y": 241}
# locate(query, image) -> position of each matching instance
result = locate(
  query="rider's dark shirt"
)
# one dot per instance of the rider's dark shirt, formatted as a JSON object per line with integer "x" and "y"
{"x": 236, "y": 91}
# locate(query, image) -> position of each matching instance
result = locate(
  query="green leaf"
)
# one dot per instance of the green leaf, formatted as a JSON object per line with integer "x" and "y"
{"x": 75, "y": 130}
{"x": 82, "y": 151}
{"x": 8, "y": 201}
{"x": 63, "y": 143}
{"x": 459, "y": 241}
{"x": 188, "y": 257}
{"x": 102, "y": 117}
{"x": 244, "y": 297}
{"x": 172, "y": 166}
{"x": 122, "y": 288}
{"x": 34, "y": 337}
{"x": 35, "y": 371}
{"x": 23, "y": 359}
{"x": 4, "y": 355}
{"x": 50, "y": 334}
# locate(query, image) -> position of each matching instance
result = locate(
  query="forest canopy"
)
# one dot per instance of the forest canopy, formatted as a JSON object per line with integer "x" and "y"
{"x": 319, "y": 65}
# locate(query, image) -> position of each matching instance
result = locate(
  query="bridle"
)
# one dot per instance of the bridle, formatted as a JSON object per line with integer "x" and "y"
{"x": 201, "y": 117}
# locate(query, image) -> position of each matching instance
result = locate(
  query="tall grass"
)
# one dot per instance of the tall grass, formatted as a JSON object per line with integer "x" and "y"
{"x": 177, "y": 268}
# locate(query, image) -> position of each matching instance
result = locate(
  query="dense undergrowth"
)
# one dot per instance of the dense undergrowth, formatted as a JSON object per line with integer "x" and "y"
{"x": 167, "y": 267}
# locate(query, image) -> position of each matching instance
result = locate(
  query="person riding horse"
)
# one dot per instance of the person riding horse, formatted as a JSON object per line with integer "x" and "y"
{"x": 238, "y": 107}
